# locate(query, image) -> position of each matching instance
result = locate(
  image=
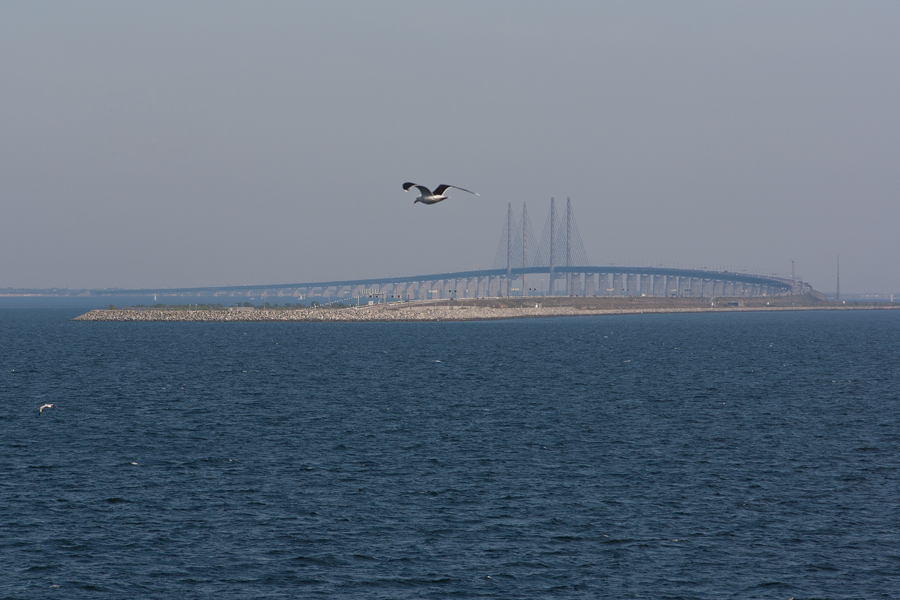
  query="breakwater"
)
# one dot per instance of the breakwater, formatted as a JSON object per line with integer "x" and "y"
{"x": 388, "y": 313}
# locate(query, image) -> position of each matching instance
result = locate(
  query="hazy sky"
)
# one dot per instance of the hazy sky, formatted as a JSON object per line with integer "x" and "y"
{"x": 164, "y": 144}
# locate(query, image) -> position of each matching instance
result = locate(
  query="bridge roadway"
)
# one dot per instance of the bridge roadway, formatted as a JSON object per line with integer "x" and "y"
{"x": 566, "y": 281}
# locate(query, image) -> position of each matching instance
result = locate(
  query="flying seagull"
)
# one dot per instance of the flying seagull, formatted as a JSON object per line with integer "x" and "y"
{"x": 41, "y": 409}
{"x": 427, "y": 197}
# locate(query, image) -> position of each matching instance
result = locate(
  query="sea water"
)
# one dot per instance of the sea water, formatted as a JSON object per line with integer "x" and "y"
{"x": 740, "y": 455}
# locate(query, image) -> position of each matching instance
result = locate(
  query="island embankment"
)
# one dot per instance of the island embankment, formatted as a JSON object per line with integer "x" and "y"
{"x": 482, "y": 309}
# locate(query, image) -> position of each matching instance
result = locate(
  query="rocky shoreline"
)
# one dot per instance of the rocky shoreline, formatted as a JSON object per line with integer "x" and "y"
{"x": 415, "y": 313}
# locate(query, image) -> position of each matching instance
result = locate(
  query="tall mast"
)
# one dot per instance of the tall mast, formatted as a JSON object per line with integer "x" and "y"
{"x": 509, "y": 241}
{"x": 552, "y": 242}
{"x": 524, "y": 247}
{"x": 568, "y": 245}
{"x": 837, "y": 296}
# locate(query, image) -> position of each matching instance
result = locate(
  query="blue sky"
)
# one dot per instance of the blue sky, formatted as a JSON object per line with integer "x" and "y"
{"x": 214, "y": 143}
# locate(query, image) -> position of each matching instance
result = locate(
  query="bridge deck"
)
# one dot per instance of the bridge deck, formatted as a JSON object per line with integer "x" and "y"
{"x": 777, "y": 285}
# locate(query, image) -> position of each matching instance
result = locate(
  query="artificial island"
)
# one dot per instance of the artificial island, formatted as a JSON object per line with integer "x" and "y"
{"x": 551, "y": 277}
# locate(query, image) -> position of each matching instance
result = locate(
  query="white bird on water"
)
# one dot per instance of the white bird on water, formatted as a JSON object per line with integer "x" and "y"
{"x": 427, "y": 197}
{"x": 41, "y": 409}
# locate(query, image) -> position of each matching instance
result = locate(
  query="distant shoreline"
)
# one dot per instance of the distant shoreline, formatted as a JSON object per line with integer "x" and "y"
{"x": 483, "y": 310}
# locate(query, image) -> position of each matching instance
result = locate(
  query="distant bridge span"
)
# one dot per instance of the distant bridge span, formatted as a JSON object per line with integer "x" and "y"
{"x": 530, "y": 281}
{"x": 519, "y": 270}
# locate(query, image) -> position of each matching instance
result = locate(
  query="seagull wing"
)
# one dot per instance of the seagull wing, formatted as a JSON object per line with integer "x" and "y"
{"x": 439, "y": 190}
{"x": 422, "y": 189}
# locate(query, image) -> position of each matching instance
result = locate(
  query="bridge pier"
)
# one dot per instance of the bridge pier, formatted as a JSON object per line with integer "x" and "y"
{"x": 646, "y": 285}
{"x": 586, "y": 281}
{"x": 605, "y": 284}
{"x": 590, "y": 288}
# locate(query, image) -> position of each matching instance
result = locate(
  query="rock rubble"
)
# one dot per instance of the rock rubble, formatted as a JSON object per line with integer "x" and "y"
{"x": 386, "y": 314}
{"x": 363, "y": 314}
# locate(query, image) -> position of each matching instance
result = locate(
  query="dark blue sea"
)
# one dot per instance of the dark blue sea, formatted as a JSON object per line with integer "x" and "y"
{"x": 741, "y": 455}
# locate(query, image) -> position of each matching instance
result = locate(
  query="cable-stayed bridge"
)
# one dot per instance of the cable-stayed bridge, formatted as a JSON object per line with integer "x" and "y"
{"x": 553, "y": 265}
